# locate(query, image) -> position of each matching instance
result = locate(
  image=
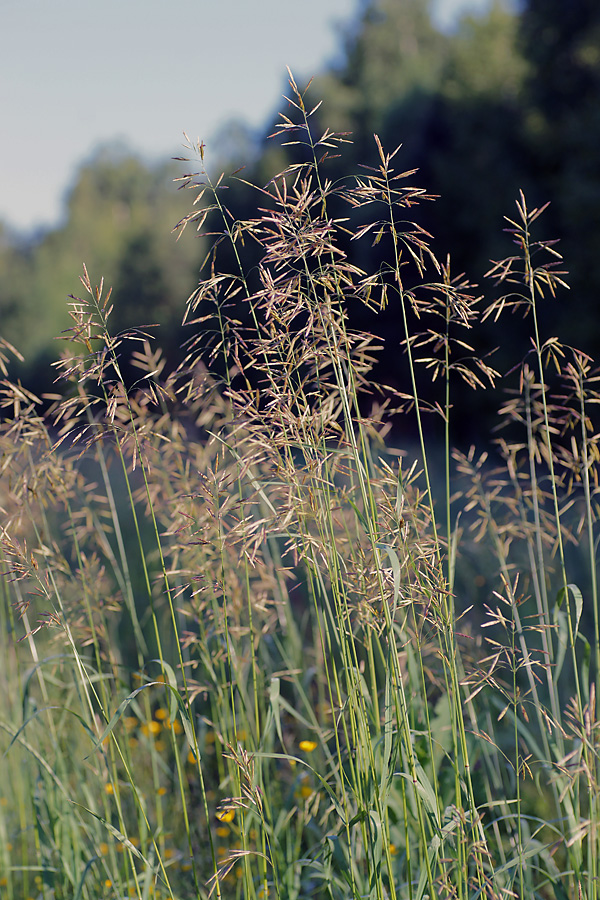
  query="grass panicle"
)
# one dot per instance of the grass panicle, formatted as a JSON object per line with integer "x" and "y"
{"x": 254, "y": 649}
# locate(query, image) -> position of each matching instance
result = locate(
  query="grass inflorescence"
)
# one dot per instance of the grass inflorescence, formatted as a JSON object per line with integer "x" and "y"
{"x": 252, "y": 649}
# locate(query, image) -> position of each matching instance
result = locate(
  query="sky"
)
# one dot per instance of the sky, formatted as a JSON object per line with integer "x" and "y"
{"x": 78, "y": 73}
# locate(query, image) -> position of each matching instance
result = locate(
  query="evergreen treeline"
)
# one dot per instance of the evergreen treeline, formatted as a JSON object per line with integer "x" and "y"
{"x": 508, "y": 101}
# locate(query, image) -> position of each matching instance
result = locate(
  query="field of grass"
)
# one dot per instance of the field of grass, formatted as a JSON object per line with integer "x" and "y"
{"x": 252, "y": 649}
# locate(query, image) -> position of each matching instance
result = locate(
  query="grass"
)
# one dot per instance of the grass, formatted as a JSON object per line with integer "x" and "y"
{"x": 250, "y": 650}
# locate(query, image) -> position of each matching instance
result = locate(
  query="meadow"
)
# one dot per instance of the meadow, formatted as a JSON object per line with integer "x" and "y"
{"x": 255, "y": 647}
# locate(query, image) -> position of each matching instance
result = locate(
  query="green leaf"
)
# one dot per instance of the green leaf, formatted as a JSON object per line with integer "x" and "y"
{"x": 119, "y": 712}
{"x": 89, "y": 864}
{"x": 359, "y": 817}
{"x": 360, "y": 515}
{"x": 395, "y": 563}
{"x": 585, "y": 667}
{"x": 274, "y": 706}
{"x": 424, "y": 789}
{"x": 578, "y": 598}
{"x": 118, "y": 835}
{"x": 375, "y": 825}
{"x": 388, "y": 731}
{"x": 562, "y": 635}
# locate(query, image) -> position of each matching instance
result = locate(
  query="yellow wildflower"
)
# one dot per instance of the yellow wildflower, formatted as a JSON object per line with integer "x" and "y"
{"x": 151, "y": 727}
{"x": 226, "y": 815}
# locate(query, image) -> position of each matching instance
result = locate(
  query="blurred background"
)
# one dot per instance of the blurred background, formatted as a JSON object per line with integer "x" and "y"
{"x": 486, "y": 96}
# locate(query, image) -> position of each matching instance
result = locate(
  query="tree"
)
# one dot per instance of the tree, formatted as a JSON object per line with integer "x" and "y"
{"x": 562, "y": 43}
{"x": 118, "y": 221}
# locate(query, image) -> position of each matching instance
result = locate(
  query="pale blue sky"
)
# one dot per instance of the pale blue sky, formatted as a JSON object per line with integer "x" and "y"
{"x": 75, "y": 73}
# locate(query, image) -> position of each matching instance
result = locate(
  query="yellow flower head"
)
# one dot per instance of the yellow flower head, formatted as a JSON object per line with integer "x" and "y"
{"x": 226, "y": 815}
{"x": 307, "y": 746}
{"x": 151, "y": 727}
